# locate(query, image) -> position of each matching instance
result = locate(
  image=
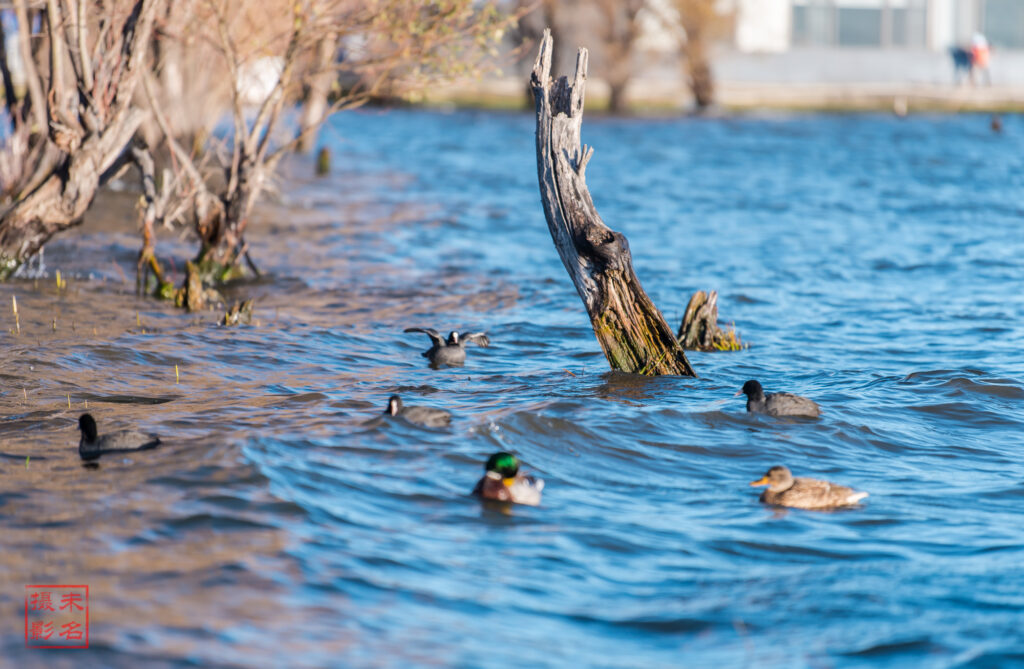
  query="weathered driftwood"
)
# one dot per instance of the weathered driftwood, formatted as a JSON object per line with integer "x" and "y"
{"x": 699, "y": 329}
{"x": 630, "y": 329}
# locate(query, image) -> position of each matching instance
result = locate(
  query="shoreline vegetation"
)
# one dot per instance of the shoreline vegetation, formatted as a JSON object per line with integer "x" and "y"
{"x": 148, "y": 86}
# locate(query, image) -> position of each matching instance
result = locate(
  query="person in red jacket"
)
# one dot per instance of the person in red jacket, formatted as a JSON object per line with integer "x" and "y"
{"x": 980, "y": 57}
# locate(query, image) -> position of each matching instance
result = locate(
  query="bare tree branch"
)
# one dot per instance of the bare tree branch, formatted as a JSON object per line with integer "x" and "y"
{"x": 82, "y": 30}
{"x": 35, "y": 89}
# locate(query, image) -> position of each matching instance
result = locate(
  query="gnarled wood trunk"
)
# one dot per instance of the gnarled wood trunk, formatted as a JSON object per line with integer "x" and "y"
{"x": 83, "y": 129}
{"x": 632, "y": 332}
{"x": 62, "y": 199}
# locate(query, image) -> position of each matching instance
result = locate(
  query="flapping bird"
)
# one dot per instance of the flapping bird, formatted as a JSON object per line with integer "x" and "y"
{"x": 453, "y": 351}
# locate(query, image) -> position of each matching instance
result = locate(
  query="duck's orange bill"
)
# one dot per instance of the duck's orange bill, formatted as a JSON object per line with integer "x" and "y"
{"x": 508, "y": 482}
{"x": 761, "y": 481}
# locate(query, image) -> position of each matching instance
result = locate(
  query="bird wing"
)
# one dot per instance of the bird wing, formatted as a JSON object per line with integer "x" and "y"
{"x": 814, "y": 492}
{"x": 526, "y": 490}
{"x": 125, "y": 441}
{"x": 478, "y": 338}
{"x": 842, "y": 495}
{"x": 788, "y": 404}
{"x": 428, "y": 416}
{"x": 430, "y": 332}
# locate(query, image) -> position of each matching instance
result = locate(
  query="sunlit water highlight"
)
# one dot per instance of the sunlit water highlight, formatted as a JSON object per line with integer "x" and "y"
{"x": 874, "y": 264}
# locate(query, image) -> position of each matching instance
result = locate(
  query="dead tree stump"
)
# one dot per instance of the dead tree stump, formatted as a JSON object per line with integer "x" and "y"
{"x": 632, "y": 332}
{"x": 699, "y": 329}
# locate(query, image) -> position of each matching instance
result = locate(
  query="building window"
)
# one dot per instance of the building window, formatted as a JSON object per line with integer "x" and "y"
{"x": 897, "y": 24}
{"x": 860, "y": 26}
{"x": 799, "y": 34}
{"x": 1003, "y": 23}
{"x": 813, "y": 25}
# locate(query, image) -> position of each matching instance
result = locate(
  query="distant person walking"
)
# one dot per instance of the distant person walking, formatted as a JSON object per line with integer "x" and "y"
{"x": 980, "y": 57}
{"x": 963, "y": 64}
{"x": 968, "y": 59}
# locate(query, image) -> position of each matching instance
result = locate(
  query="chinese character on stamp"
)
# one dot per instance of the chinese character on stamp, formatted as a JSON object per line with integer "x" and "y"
{"x": 56, "y": 616}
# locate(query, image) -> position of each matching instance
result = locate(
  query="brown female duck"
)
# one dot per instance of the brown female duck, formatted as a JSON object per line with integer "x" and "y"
{"x": 802, "y": 493}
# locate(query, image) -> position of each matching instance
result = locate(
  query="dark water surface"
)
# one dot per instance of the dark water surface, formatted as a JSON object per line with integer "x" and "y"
{"x": 874, "y": 264}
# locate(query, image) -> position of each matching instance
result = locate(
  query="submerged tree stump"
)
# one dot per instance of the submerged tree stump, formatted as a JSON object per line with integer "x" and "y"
{"x": 699, "y": 329}
{"x": 632, "y": 332}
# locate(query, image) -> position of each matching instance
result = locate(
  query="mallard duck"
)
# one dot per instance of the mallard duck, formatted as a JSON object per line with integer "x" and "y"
{"x": 426, "y": 416}
{"x": 453, "y": 351}
{"x": 801, "y": 493}
{"x": 777, "y": 404}
{"x": 92, "y": 446}
{"x": 505, "y": 483}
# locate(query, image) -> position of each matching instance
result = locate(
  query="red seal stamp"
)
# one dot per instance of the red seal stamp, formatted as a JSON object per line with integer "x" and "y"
{"x": 56, "y": 616}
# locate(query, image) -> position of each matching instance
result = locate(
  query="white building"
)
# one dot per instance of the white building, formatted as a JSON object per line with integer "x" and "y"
{"x": 776, "y": 26}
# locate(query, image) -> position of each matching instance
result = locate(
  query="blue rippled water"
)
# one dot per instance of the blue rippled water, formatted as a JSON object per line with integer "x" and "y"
{"x": 873, "y": 264}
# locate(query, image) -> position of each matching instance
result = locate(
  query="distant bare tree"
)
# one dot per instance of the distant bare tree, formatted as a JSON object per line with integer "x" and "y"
{"x": 536, "y": 16}
{"x": 318, "y": 88}
{"x": 620, "y": 32}
{"x": 270, "y": 51}
{"x": 697, "y": 19}
{"x": 696, "y": 24}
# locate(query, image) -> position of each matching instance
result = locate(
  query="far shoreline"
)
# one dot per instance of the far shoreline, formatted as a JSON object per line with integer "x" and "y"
{"x": 656, "y": 98}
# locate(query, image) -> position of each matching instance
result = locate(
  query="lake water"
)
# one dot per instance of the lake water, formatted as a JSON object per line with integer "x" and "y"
{"x": 873, "y": 264}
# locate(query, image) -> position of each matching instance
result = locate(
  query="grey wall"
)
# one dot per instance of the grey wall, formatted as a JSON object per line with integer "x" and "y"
{"x": 841, "y": 66}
